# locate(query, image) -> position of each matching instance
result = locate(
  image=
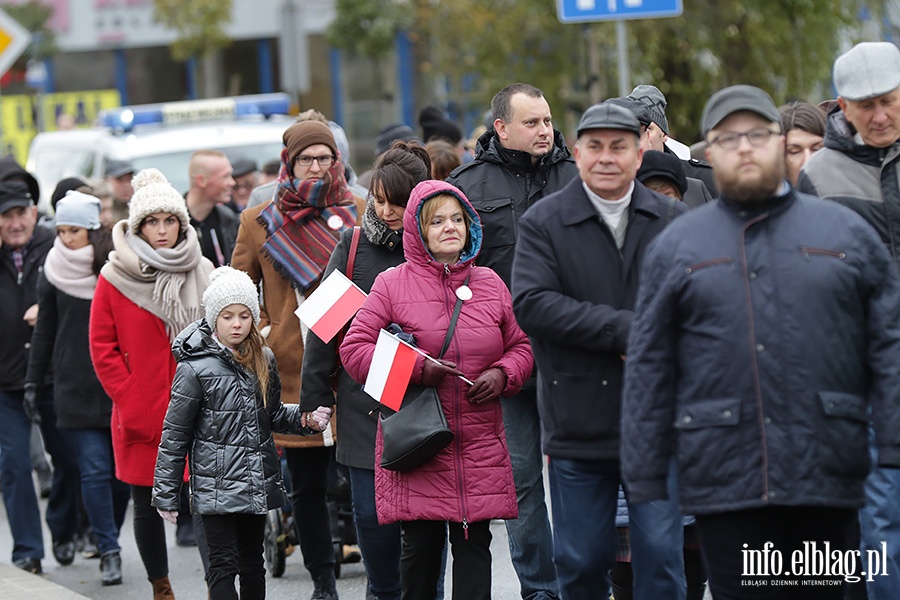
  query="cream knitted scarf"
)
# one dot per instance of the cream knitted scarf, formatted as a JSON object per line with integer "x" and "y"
{"x": 166, "y": 282}
{"x": 70, "y": 271}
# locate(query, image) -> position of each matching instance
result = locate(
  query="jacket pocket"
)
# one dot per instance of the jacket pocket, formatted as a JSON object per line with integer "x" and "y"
{"x": 498, "y": 222}
{"x": 709, "y": 447}
{"x": 844, "y": 438}
{"x": 584, "y": 406}
{"x": 809, "y": 251}
{"x": 132, "y": 417}
{"x": 725, "y": 260}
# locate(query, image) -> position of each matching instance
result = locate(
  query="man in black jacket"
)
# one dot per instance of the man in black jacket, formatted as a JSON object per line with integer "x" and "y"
{"x": 24, "y": 248}
{"x": 207, "y": 199}
{"x": 574, "y": 285}
{"x": 766, "y": 329}
{"x": 518, "y": 161}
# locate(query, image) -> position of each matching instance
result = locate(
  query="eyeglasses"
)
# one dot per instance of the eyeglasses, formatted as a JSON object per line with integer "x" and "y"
{"x": 732, "y": 140}
{"x": 324, "y": 161}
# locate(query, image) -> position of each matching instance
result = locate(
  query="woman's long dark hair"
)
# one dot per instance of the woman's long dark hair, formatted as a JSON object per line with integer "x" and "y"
{"x": 101, "y": 240}
{"x": 399, "y": 170}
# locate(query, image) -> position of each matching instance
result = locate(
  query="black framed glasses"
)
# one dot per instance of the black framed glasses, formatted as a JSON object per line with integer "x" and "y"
{"x": 324, "y": 160}
{"x": 732, "y": 140}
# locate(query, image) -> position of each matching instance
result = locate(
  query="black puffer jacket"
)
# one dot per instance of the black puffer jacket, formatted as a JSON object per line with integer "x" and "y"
{"x": 217, "y": 419}
{"x": 502, "y": 184}
{"x": 379, "y": 249}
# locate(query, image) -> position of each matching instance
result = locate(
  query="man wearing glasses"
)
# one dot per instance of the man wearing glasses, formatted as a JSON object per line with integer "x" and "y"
{"x": 246, "y": 178}
{"x": 858, "y": 168}
{"x": 767, "y": 327}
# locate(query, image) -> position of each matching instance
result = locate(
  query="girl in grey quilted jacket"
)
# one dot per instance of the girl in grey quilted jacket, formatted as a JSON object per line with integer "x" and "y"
{"x": 225, "y": 404}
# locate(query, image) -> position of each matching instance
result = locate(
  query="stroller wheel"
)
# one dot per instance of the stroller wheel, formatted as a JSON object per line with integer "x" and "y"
{"x": 274, "y": 543}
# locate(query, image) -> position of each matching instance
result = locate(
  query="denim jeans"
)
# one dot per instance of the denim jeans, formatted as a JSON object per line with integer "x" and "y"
{"x": 17, "y": 484}
{"x": 879, "y": 521}
{"x": 583, "y": 496}
{"x": 529, "y": 536}
{"x": 105, "y": 497}
{"x": 378, "y": 544}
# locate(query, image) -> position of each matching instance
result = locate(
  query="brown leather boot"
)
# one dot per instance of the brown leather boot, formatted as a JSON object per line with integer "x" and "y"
{"x": 162, "y": 589}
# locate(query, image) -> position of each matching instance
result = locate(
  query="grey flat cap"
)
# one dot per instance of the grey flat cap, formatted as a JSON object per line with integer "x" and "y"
{"x": 640, "y": 110}
{"x": 656, "y": 103}
{"x": 867, "y": 70}
{"x": 734, "y": 99}
{"x": 609, "y": 116}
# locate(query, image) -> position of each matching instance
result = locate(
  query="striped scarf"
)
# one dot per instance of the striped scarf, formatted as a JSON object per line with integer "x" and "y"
{"x": 304, "y": 222}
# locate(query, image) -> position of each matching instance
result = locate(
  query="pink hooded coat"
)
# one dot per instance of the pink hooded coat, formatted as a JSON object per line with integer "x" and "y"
{"x": 471, "y": 479}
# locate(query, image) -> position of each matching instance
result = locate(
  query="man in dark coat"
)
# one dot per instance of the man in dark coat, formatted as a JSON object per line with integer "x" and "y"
{"x": 574, "y": 283}
{"x": 518, "y": 161}
{"x": 767, "y": 328}
{"x": 858, "y": 168}
{"x": 24, "y": 248}
{"x": 216, "y": 224}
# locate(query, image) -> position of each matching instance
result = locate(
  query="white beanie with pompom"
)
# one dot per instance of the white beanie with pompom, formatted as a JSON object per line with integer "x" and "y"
{"x": 154, "y": 194}
{"x": 229, "y": 286}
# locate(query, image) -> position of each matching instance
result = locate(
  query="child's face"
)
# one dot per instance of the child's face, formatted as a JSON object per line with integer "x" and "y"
{"x": 233, "y": 324}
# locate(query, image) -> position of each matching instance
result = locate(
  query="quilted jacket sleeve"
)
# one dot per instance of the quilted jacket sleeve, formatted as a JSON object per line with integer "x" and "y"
{"x": 177, "y": 435}
{"x": 648, "y": 398}
{"x": 285, "y": 418}
{"x": 517, "y": 360}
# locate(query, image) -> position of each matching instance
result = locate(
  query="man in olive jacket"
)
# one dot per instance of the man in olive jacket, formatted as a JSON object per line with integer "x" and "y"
{"x": 518, "y": 161}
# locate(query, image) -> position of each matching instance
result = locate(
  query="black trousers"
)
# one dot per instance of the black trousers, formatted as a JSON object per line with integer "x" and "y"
{"x": 423, "y": 549}
{"x": 734, "y": 543}
{"x": 235, "y": 548}
{"x": 309, "y": 486}
{"x": 149, "y": 534}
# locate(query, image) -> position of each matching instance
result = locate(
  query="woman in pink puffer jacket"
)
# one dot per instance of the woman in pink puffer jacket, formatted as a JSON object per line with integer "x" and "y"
{"x": 470, "y": 481}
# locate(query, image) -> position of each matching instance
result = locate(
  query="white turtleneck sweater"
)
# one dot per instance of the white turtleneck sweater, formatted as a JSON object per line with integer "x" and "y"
{"x": 613, "y": 212}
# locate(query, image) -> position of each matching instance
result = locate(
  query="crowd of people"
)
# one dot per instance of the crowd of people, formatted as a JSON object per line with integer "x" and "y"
{"x": 703, "y": 354}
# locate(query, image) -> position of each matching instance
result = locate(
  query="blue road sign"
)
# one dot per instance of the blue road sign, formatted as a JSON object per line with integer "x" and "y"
{"x": 582, "y": 11}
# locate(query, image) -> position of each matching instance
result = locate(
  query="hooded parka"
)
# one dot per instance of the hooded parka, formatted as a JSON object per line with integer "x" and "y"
{"x": 471, "y": 479}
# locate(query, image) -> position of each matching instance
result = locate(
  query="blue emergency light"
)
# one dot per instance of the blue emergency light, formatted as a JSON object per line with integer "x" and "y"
{"x": 124, "y": 119}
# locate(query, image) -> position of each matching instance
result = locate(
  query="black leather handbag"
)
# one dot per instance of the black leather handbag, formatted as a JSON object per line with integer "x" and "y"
{"x": 418, "y": 431}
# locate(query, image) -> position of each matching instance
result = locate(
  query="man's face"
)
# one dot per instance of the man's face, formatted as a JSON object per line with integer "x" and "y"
{"x": 121, "y": 186}
{"x": 217, "y": 183}
{"x": 318, "y": 158}
{"x": 657, "y": 137}
{"x": 530, "y": 128}
{"x": 877, "y": 119}
{"x": 243, "y": 185}
{"x": 745, "y": 170}
{"x": 608, "y": 161}
{"x": 17, "y": 226}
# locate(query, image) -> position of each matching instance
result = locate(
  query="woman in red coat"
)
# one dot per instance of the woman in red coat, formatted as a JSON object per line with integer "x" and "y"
{"x": 146, "y": 294}
{"x": 470, "y": 481}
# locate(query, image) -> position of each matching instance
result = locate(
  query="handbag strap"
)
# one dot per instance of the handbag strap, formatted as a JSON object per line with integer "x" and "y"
{"x": 456, "y": 310}
{"x": 351, "y": 259}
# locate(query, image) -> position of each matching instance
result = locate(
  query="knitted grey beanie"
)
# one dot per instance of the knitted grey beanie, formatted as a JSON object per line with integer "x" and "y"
{"x": 78, "y": 210}
{"x": 229, "y": 286}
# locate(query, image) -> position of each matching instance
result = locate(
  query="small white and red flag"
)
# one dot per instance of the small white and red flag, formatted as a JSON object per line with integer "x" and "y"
{"x": 391, "y": 370}
{"x": 331, "y": 306}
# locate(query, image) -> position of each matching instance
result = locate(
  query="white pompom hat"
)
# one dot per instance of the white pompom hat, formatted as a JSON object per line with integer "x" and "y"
{"x": 154, "y": 194}
{"x": 229, "y": 286}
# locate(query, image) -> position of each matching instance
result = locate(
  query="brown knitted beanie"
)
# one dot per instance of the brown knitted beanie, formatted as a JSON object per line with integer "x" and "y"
{"x": 302, "y": 135}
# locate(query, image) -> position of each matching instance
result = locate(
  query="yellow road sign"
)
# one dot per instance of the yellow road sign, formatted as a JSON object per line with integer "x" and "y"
{"x": 14, "y": 39}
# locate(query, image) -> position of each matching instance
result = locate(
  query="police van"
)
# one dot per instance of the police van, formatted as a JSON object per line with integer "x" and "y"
{"x": 163, "y": 136}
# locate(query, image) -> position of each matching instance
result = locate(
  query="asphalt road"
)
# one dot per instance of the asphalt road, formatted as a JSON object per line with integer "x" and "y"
{"x": 186, "y": 572}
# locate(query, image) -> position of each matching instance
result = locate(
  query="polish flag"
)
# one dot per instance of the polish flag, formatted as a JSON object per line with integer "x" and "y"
{"x": 331, "y": 306}
{"x": 392, "y": 366}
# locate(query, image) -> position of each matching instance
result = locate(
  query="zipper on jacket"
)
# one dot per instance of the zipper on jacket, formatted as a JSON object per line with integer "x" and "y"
{"x": 708, "y": 263}
{"x": 457, "y": 409}
{"x": 807, "y": 250}
{"x": 754, "y": 365}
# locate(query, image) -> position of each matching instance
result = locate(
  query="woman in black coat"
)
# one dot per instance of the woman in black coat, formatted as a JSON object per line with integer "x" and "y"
{"x": 377, "y": 247}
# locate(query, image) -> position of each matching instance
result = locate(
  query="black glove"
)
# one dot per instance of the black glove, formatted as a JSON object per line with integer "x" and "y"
{"x": 488, "y": 386}
{"x": 433, "y": 373}
{"x": 30, "y": 403}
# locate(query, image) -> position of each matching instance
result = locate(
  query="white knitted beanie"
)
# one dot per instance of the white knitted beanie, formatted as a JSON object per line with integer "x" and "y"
{"x": 154, "y": 194}
{"x": 229, "y": 286}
